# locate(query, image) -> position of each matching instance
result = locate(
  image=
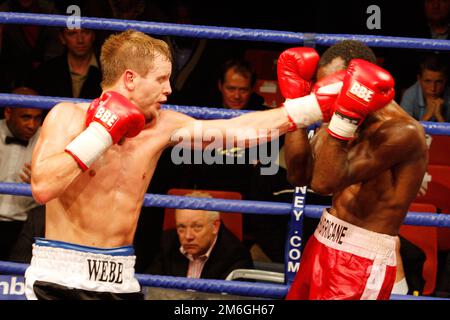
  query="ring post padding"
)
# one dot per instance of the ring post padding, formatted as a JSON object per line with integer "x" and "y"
{"x": 293, "y": 247}
{"x": 309, "y": 40}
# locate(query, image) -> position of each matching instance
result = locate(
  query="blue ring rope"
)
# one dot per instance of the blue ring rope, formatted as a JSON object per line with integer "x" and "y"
{"x": 182, "y": 283}
{"x": 243, "y": 206}
{"x": 251, "y": 289}
{"x": 44, "y": 102}
{"x": 212, "y": 32}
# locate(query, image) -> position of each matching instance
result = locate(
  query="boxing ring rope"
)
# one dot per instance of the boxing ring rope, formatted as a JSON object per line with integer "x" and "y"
{"x": 249, "y": 207}
{"x": 198, "y": 112}
{"x": 224, "y": 33}
{"x": 242, "y": 206}
{"x": 181, "y": 283}
{"x": 251, "y": 289}
{"x": 43, "y": 102}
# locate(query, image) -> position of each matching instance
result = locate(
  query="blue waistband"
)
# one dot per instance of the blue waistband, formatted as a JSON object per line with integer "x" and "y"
{"x": 117, "y": 251}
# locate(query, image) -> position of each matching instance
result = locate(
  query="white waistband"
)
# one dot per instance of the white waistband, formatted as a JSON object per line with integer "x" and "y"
{"x": 85, "y": 270}
{"x": 341, "y": 235}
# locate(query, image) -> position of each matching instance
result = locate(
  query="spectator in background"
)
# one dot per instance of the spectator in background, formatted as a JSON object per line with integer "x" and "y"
{"x": 25, "y": 47}
{"x": 429, "y": 98}
{"x": 140, "y": 10}
{"x": 430, "y": 20}
{"x": 76, "y": 73}
{"x": 437, "y": 14}
{"x": 197, "y": 62}
{"x": 187, "y": 53}
{"x": 235, "y": 91}
{"x": 200, "y": 247}
{"x": 236, "y": 86}
{"x": 18, "y": 134}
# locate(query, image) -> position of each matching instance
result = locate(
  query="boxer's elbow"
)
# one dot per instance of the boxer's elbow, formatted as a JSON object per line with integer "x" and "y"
{"x": 323, "y": 186}
{"x": 39, "y": 194}
{"x": 298, "y": 178}
{"x": 40, "y": 190}
{"x": 299, "y": 170}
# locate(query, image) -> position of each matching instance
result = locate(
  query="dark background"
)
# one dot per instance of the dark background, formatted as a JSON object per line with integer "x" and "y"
{"x": 322, "y": 16}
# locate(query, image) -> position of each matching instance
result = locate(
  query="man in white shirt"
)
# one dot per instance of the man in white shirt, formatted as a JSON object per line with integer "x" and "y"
{"x": 18, "y": 134}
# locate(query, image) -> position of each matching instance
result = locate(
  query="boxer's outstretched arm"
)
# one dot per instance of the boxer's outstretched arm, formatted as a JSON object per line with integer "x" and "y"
{"x": 245, "y": 130}
{"x": 260, "y": 122}
{"x": 53, "y": 169}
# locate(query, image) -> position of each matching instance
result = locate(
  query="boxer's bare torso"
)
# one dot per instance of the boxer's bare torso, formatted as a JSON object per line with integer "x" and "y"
{"x": 381, "y": 174}
{"x": 100, "y": 207}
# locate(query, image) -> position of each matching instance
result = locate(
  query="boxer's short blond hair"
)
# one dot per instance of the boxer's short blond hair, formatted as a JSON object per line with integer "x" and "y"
{"x": 132, "y": 50}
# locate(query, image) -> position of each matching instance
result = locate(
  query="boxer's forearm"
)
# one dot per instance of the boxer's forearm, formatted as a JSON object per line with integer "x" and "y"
{"x": 246, "y": 130}
{"x": 250, "y": 128}
{"x": 297, "y": 153}
{"x": 331, "y": 166}
{"x": 51, "y": 176}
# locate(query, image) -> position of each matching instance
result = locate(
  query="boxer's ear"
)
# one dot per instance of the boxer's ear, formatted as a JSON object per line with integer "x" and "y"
{"x": 128, "y": 79}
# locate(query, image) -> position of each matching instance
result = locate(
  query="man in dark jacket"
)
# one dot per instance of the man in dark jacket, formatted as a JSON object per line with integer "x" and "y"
{"x": 75, "y": 74}
{"x": 200, "y": 247}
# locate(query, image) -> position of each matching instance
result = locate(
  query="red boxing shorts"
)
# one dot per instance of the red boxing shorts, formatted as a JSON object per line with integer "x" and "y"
{"x": 345, "y": 262}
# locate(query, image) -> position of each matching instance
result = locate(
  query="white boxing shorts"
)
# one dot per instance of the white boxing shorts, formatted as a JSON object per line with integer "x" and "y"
{"x": 61, "y": 270}
{"x": 345, "y": 262}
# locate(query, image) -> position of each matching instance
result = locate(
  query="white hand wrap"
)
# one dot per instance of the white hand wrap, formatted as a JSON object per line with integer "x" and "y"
{"x": 343, "y": 127}
{"x": 303, "y": 111}
{"x": 89, "y": 145}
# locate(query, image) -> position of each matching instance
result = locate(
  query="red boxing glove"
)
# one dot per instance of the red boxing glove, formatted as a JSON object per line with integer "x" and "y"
{"x": 118, "y": 115}
{"x": 326, "y": 91}
{"x": 366, "y": 88}
{"x": 296, "y": 68}
{"x": 319, "y": 105}
{"x": 108, "y": 119}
